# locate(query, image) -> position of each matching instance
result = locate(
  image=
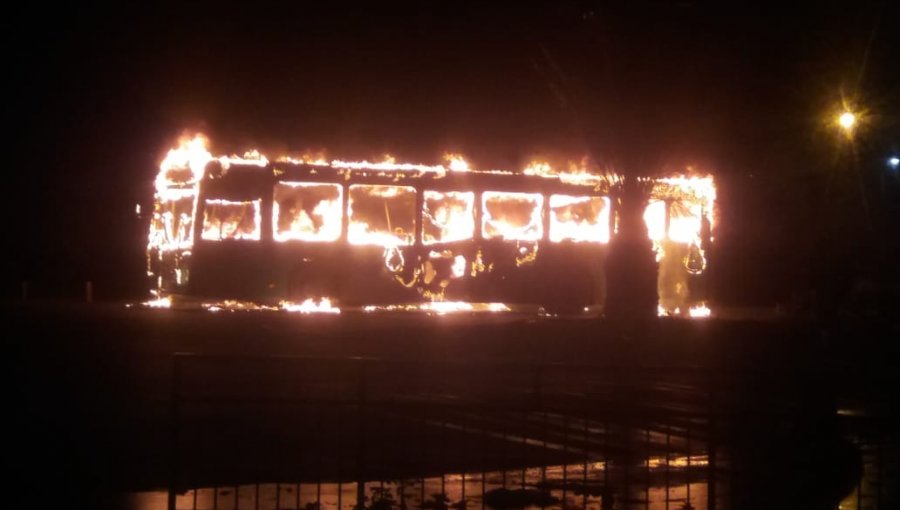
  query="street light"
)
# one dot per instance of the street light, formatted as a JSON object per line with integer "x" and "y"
{"x": 893, "y": 162}
{"x": 847, "y": 121}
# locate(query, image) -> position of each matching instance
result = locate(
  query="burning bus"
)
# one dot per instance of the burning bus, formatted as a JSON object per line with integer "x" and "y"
{"x": 306, "y": 234}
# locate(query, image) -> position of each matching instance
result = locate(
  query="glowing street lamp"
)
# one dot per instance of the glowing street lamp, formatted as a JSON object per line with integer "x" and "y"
{"x": 894, "y": 162}
{"x": 847, "y": 121}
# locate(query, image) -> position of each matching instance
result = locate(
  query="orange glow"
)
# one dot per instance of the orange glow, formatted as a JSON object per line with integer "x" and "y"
{"x": 382, "y": 215}
{"x": 317, "y": 160}
{"x": 448, "y": 216}
{"x": 310, "y": 306}
{"x": 163, "y": 302}
{"x": 579, "y": 219}
{"x": 191, "y": 155}
{"x": 689, "y": 203}
{"x": 456, "y": 163}
{"x": 512, "y": 216}
{"x": 441, "y": 307}
{"x": 225, "y": 219}
{"x": 699, "y": 311}
{"x": 577, "y": 174}
{"x": 172, "y": 224}
{"x": 307, "y": 211}
{"x": 252, "y": 157}
{"x": 388, "y": 165}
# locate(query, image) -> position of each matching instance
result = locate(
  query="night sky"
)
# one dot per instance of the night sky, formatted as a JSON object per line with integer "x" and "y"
{"x": 96, "y": 94}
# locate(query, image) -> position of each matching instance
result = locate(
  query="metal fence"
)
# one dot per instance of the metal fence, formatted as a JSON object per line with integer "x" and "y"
{"x": 354, "y": 433}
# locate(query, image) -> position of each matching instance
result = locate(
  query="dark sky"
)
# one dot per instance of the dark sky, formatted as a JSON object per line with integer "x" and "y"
{"x": 97, "y": 93}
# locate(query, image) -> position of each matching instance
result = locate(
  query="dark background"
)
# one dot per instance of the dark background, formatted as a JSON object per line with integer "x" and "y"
{"x": 97, "y": 93}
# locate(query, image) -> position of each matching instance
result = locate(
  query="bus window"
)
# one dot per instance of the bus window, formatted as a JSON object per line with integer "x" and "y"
{"x": 172, "y": 226}
{"x": 381, "y": 215}
{"x": 448, "y": 216}
{"x": 225, "y": 219}
{"x": 579, "y": 219}
{"x": 512, "y": 216}
{"x": 307, "y": 211}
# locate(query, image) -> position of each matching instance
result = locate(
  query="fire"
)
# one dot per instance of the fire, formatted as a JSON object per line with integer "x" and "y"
{"x": 389, "y": 165}
{"x": 305, "y": 159}
{"x": 311, "y": 306}
{"x": 579, "y": 219}
{"x": 441, "y": 307}
{"x": 191, "y": 154}
{"x": 512, "y": 216}
{"x": 171, "y": 227}
{"x": 381, "y": 215}
{"x": 456, "y": 163}
{"x": 252, "y": 157}
{"x": 699, "y": 311}
{"x": 678, "y": 217}
{"x": 162, "y": 302}
{"x": 448, "y": 216}
{"x": 226, "y": 219}
{"x": 577, "y": 174}
{"x": 307, "y": 211}
{"x": 380, "y": 203}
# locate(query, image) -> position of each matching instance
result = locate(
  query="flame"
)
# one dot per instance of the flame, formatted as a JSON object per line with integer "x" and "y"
{"x": 175, "y": 199}
{"x": 577, "y": 174}
{"x": 448, "y": 216}
{"x": 226, "y": 219}
{"x": 310, "y": 306}
{"x": 251, "y": 157}
{"x": 512, "y": 216}
{"x": 305, "y": 159}
{"x": 191, "y": 154}
{"x": 699, "y": 311}
{"x": 389, "y": 165}
{"x": 162, "y": 302}
{"x": 458, "y": 269}
{"x": 381, "y": 215}
{"x": 456, "y": 163}
{"x": 686, "y": 203}
{"x": 441, "y": 307}
{"x": 579, "y": 219}
{"x": 307, "y": 211}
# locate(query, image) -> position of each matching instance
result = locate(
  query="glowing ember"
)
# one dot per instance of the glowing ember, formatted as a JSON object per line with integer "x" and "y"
{"x": 678, "y": 462}
{"x": 441, "y": 307}
{"x": 307, "y": 211}
{"x": 579, "y": 219}
{"x": 381, "y": 215}
{"x": 512, "y": 216}
{"x": 225, "y": 219}
{"x": 448, "y": 217}
{"x": 310, "y": 306}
